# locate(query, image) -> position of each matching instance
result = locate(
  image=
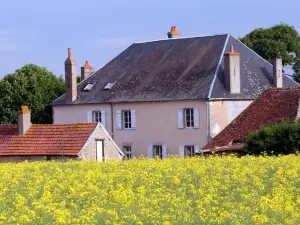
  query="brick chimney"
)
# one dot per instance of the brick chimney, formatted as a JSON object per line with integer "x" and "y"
{"x": 70, "y": 78}
{"x": 24, "y": 120}
{"x": 86, "y": 70}
{"x": 174, "y": 33}
{"x": 277, "y": 72}
{"x": 232, "y": 69}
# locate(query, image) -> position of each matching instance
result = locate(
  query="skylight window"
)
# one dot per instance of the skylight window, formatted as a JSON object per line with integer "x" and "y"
{"x": 89, "y": 86}
{"x": 109, "y": 86}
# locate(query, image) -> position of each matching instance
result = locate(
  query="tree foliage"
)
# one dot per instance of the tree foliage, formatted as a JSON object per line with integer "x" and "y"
{"x": 280, "y": 39}
{"x": 275, "y": 139}
{"x": 33, "y": 86}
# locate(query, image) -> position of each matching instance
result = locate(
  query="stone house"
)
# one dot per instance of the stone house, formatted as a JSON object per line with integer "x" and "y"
{"x": 168, "y": 96}
{"x": 272, "y": 106}
{"x": 33, "y": 142}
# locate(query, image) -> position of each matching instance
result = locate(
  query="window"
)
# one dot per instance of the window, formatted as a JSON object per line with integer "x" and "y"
{"x": 189, "y": 150}
{"x": 157, "y": 151}
{"x": 109, "y": 86}
{"x": 89, "y": 86}
{"x": 189, "y": 117}
{"x": 97, "y": 116}
{"x": 126, "y": 119}
{"x": 127, "y": 151}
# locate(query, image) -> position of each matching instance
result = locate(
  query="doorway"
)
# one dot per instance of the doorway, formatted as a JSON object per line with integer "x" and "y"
{"x": 100, "y": 151}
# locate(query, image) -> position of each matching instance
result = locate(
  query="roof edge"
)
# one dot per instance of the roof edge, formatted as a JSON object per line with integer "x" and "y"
{"x": 218, "y": 66}
{"x": 110, "y": 138}
{"x": 87, "y": 141}
{"x": 170, "y": 39}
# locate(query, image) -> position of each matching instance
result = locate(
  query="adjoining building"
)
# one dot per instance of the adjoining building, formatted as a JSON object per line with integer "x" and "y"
{"x": 33, "y": 142}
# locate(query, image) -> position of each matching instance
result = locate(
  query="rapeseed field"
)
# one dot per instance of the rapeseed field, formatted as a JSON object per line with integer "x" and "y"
{"x": 214, "y": 190}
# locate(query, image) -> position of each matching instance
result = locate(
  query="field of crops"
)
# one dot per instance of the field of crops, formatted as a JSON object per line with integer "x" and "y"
{"x": 214, "y": 190}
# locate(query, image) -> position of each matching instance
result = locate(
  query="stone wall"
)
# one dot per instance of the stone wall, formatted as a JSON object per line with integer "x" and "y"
{"x": 110, "y": 150}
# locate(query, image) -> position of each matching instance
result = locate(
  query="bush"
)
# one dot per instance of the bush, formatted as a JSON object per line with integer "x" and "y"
{"x": 281, "y": 138}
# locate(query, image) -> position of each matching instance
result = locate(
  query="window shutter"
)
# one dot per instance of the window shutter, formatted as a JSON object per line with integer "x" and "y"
{"x": 164, "y": 151}
{"x": 150, "y": 151}
{"x": 89, "y": 116}
{"x": 196, "y": 118}
{"x": 119, "y": 119}
{"x": 196, "y": 148}
{"x": 103, "y": 118}
{"x": 133, "y": 119}
{"x": 180, "y": 118}
{"x": 181, "y": 151}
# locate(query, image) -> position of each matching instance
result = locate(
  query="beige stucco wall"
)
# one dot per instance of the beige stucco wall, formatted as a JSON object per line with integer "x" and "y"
{"x": 156, "y": 123}
{"x": 110, "y": 150}
{"x": 222, "y": 112}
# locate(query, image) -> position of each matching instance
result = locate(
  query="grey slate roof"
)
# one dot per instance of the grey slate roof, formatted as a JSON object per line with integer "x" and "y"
{"x": 175, "y": 69}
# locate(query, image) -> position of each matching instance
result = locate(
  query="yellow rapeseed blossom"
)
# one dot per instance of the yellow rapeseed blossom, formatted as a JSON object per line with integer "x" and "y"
{"x": 212, "y": 190}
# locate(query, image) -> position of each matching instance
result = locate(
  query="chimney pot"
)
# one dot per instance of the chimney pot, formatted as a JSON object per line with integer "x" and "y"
{"x": 24, "y": 120}
{"x": 174, "y": 33}
{"x": 69, "y": 53}
{"x": 86, "y": 70}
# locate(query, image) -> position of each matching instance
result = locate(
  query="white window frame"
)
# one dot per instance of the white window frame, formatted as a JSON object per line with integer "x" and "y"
{"x": 192, "y": 150}
{"x": 158, "y": 148}
{"x": 127, "y": 149}
{"x": 129, "y": 122}
{"x": 97, "y": 115}
{"x": 189, "y": 117}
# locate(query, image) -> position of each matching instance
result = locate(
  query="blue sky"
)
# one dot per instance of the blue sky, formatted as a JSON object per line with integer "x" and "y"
{"x": 40, "y": 32}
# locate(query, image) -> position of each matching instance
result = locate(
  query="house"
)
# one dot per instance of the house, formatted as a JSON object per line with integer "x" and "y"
{"x": 272, "y": 106}
{"x": 168, "y": 96}
{"x": 32, "y": 142}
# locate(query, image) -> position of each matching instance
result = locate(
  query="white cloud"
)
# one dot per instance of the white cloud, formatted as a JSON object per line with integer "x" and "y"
{"x": 9, "y": 41}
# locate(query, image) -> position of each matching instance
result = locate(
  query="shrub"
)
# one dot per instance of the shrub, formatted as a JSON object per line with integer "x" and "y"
{"x": 275, "y": 139}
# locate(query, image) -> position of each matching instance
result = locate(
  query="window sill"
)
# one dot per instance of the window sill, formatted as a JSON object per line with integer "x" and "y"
{"x": 189, "y": 128}
{"x": 128, "y": 129}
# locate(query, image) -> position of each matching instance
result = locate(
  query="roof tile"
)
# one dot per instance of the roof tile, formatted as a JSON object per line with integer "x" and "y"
{"x": 46, "y": 139}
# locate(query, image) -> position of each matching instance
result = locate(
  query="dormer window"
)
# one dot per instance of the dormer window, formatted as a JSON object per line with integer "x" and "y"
{"x": 109, "y": 85}
{"x": 89, "y": 86}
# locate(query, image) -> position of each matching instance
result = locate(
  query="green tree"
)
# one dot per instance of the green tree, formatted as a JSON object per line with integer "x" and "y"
{"x": 33, "y": 86}
{"x": 275, "y": 139}
{"x": 280, "y": 39}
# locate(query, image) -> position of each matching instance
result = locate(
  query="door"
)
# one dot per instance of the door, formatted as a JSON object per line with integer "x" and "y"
{"x": 100, "y": 151}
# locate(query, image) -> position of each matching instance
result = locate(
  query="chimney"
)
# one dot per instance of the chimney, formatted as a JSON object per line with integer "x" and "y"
{"x": 277, "y": 72}
{"x": 24, "y": 120}
{"x": 232, "y": 69}
{"x": 70, "y": 78}
{"x": 174, "y": 33}
{"x": 86, "y": 70}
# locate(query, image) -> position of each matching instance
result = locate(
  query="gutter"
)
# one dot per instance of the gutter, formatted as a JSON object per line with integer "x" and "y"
{"x": 208, "y": 120}
{"x": 112, "y": 120}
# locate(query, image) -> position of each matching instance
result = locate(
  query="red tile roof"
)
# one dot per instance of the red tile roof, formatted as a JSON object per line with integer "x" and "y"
{"x": 273, "y": 105}
{"x": 50, "y": 139}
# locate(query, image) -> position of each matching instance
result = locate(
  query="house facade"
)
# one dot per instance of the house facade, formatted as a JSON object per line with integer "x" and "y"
{"x": 35, "y": 142}
{"x": 168, "y": 96}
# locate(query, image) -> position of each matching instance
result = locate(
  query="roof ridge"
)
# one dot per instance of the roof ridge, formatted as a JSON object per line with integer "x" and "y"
{"x": 173, "y": 39}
